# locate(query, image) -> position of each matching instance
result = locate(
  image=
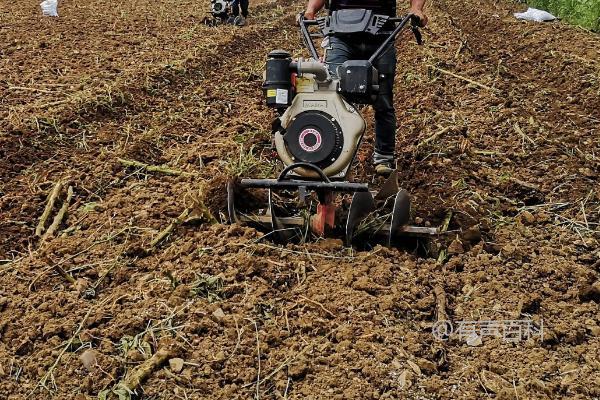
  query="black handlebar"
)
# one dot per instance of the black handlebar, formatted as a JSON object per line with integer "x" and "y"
{"x": 413, "y": 19}
{"x": 308, "y": 22}
{"x": 415, "y": 23}
{"x": 304, "y": 23}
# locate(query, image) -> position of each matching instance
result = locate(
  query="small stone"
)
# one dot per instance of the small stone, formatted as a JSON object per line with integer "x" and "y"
{"x": 474, "y": 340}
{"x": 218, "y": 313}
{"x": 176, "y": 365}
{"x": 89, "y": 359}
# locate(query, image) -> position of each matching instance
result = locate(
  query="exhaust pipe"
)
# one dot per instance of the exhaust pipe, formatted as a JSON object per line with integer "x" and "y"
{"x": 317, "y": 68}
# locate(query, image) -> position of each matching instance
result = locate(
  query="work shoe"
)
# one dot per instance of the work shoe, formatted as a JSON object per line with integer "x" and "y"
{"x": 239, "y": 21}
{"x": 385, "y": 168}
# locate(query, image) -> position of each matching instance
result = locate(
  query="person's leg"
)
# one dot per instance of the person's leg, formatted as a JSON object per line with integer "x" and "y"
{"x": 235, "y": 7}
{"x": 244, "y": 5}
{"x": 385, "y": 115}
{"x": 337, "y": 52}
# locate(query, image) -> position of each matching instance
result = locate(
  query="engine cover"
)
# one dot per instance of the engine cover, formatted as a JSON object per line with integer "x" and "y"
{"x": 314, "y": 137}
{"x": 319, "y": 127}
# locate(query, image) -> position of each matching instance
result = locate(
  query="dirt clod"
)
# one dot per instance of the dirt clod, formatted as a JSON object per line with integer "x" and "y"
{"x": 456, "y": 247}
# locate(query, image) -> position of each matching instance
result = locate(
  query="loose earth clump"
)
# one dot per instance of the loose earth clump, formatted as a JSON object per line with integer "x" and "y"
{"x": 133, "y": 116}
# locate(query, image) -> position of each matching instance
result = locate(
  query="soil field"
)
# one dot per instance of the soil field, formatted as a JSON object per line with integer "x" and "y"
{"x": 140, "y": 114}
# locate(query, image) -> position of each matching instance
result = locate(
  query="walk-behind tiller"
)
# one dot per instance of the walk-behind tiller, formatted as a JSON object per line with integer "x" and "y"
{"x": 220, "y": 13}
{"x": 317, "y": 136}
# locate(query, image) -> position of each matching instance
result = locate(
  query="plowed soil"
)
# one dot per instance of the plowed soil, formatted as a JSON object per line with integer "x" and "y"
{"x": 499, "y": 123}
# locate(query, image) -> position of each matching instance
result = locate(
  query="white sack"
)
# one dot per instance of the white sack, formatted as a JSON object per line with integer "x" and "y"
{"x": 533, "y": 14}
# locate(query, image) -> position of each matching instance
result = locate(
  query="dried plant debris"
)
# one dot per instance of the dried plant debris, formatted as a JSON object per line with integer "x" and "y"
{"x": 146, "y": 123}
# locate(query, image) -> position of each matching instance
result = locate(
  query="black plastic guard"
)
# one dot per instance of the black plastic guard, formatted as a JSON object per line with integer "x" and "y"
{"x": 351, "y": 21}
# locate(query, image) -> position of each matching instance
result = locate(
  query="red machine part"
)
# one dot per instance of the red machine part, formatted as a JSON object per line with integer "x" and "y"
{"x": 325, "y": 218}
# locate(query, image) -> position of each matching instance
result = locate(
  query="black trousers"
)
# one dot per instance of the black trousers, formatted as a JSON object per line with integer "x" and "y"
{"x": 235, "y": 7}
{"x": 361, "y": 48}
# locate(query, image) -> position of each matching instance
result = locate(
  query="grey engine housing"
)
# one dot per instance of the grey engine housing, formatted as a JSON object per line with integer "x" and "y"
{"x": 321, "y": 98}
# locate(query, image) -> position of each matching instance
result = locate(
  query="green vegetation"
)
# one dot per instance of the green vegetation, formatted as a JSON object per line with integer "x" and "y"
{"x": 585, "y": 13}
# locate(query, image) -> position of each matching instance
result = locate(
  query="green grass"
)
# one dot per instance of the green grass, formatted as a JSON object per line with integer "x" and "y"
{"x": 585, "y": 13}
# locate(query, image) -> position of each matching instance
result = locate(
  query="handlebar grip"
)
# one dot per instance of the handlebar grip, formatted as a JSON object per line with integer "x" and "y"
{"x": 415, "y": 23}
{"x": 306, "y": 22}
{"x": 414, "y": 20}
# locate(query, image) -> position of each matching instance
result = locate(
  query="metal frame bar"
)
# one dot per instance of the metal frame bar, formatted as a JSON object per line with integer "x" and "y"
{"x": 390, "y": 38}
{"x": 304, "y": 23}
{"x": 313, "y": 185}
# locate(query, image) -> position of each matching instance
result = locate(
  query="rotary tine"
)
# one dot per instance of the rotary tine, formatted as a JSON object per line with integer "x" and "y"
{"x": 389, "y": 188}
{"x": 361, "y": 206}
{"x": 280, "y": 232}
{"x": 400, "y": 215}
{"x": 232, "y": 214}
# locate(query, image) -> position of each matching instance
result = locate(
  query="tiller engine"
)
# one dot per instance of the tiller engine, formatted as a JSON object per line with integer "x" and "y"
{"x": 220, "y": 13}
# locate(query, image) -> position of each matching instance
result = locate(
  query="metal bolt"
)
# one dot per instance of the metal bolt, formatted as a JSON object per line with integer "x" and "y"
{"x": 348, "y": 71}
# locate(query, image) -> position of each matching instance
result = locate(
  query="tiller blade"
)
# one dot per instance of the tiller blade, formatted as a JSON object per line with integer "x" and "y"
{"x": 361, "y": 206}
{"x": 381, "y": 217}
